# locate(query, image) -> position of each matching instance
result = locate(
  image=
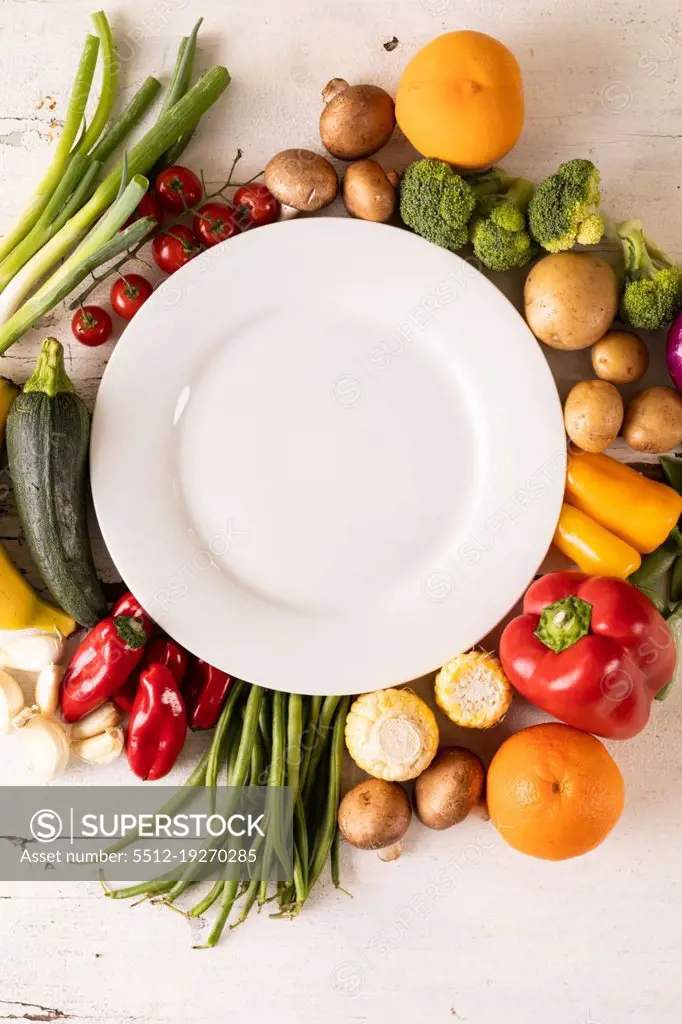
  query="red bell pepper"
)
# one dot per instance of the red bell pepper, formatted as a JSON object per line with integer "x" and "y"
{"x": 159, "y": 651}
{"x": 205, "y": 690}
{"x": 101, "y": 664}
{"x": 158, "y": 724}
{"x": 591, "y": 650}
{"x": 128, "y": 604}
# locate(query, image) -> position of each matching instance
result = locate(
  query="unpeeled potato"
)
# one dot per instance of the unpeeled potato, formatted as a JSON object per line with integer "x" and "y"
{"x": 570, "y": 299}
{"x": 620, "y": 357}
{"x": 593, "y": 414}
{"x": 653, "y": 420}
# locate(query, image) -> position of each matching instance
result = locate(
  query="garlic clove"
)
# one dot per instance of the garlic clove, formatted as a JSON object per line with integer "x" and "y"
{"x": 102, "y": 718}
{"x": 101, "y": 749}
{"x": 47, "y": 688}
{"x": 32, "y": 652}
{"x": 46, "y": 748}
{"x": 11, "y": 702}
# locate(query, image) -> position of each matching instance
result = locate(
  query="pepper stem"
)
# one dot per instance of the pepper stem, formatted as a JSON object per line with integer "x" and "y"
{"x": 563, "y": 623}
{"x": 131, "y": 631}
{"x": 49, "y": 375}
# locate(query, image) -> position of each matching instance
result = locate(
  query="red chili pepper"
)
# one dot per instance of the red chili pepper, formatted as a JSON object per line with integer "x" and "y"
{"x": 204, "y": 691}
{"x": 129, "y": 605}
{"x": 158, "y": 724}
{"x": 591, "y": 650}
{"x": 101, "y": 664}
{"x": 159, "y": 651}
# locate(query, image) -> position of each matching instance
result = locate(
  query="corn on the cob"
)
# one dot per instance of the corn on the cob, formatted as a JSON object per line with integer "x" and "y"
{"x": 392, "y": 734}
{"x": 473, "y": 690}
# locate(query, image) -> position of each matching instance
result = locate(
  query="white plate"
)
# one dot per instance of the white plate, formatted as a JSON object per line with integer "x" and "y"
{"x": 327, "y": 456}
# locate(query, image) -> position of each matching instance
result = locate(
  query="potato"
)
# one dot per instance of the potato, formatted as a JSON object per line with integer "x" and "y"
{"x": 450, "y": 788}
{"x": 620, "y": 357}
{"x": 302, "y": 179}
{"x": 653, "y": 420}
{"x": 570, "y": 299}
{"x": 593, "y": 414}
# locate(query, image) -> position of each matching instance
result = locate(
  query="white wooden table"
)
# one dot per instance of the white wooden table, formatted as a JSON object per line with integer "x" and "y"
{"x": 461, "y": 928}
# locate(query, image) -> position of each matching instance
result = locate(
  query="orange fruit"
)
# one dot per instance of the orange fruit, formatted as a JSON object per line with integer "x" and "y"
{"x": 554, "y": 792}
{"x": 460, "y": 99}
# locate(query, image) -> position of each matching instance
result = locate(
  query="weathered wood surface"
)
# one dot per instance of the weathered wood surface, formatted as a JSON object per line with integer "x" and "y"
{"x": 460, "y": 928}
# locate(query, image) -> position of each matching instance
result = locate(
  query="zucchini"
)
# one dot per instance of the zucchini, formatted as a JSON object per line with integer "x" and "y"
{"x": 48, "y": 430}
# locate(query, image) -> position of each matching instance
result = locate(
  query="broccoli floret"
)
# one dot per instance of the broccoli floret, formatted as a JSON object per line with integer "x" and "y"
{"x": 498, "y": 231}
{"x": 438, "y": 203}
{"x": 565, "y": 207}
{"x": 653, "y": 284}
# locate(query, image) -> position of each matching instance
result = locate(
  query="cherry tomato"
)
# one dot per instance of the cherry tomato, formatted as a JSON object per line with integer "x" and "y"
{"x": 128, "y": 294}
{"x": 258, "y": 203}
{"x": 91, "y": 325}
{"x": 177, "y": 188}
{"x": 172, "y": 249}
{"x": 148, "y": 206}
{"x": 214, "y": 222}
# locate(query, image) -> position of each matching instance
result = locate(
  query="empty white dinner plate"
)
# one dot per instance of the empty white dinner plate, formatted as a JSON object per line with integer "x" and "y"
{"x": 327, "y": 456}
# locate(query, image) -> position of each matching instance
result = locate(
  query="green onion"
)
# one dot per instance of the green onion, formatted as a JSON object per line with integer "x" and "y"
{"x": 109, "y": 80}
{"x": 185, "y": 114}
{"x": 129, "y": 119}
{"x": 74, "y": 116}
{"x": 103, "y": 243}
{"x": 178, "y": 87}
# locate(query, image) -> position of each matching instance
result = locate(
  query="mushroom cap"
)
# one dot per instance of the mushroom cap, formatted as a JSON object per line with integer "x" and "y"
{"x": 302, "y": 179}
{"x": 374, "y": 814}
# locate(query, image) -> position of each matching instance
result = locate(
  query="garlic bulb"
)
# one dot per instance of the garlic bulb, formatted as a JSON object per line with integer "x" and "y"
{"x": 47, "y": 689}
{"x": 32, "y": 652}
{"x": 102, "y": 718}
{"x": 46, "y": 748}
{"x": 11, "y": 702}
{"x": 103, "y": 748}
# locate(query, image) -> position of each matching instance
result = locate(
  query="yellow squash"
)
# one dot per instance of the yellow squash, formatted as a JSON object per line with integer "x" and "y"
{"x": 20, "y": 606}
{"x": 592, "y": 547}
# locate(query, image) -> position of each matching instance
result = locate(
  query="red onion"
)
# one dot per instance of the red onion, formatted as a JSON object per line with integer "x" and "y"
{"x": 673, "y": 351}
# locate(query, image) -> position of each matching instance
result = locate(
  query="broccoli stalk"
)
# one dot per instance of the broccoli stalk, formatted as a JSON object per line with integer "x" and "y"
{"x": 565, "y": 208}
{"x": 653, "y": 284}
{"x": 498, "y": 230}
{"x": 438, "y": 203}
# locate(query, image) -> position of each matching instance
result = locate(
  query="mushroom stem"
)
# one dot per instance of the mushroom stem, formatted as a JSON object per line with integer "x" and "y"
{"x": 333, "y": 89}
{"x": 390, "y": 852}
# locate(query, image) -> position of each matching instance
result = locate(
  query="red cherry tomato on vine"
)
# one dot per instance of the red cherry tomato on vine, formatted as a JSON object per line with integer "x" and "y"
{"x": 258, "y": 203}
{"x": 214, "y": 222}
{"x": 174, "y": 248}
{"x": 128, "y": 294}
{"x": 149, "y": 206}
{"x": 177, "y": 188}
{"x": 91, "y": 325}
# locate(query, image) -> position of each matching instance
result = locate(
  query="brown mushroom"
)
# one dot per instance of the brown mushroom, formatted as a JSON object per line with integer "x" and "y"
{"x": 450, "y": 787}
{"x": 369, "y": 192}
{"x": 375, "y": 815}
{"x": 357, "y": 119}
{"x": 302, "y": 179}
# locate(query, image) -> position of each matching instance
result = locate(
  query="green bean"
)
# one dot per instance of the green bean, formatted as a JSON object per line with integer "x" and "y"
{"x": 216, "y": 752}
{"x": 294, "y": 731}
{"x": 324, "y": 722}
{"x": 265, "y": 721}
{"x": 328, "y": 826}
{"x": 227, "y": 899}
{"x": 142, "y": 889}
{"x": 208, "y": 900}
{"x": 335, "y": 861}
{"x": 251, "y": 894}
{"x": 308, "y": 738}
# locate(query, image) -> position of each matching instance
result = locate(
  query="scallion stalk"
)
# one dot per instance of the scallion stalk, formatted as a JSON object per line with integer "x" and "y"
{"x": 109, "y": 81}
{"x": 127, "y": 120}
{"x": 182, "y": 75}
{"x": 74, "y": 116}
{"x": 170, "y": 125}
{"x": 102, "y": 244}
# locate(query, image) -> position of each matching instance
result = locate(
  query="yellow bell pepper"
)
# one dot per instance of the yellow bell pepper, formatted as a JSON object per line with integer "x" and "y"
{"x": 8, "y": 392}
{"x": 640, "y": 511}
{"x": 20, "y": 606}
{"x": 592, "y": 547}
